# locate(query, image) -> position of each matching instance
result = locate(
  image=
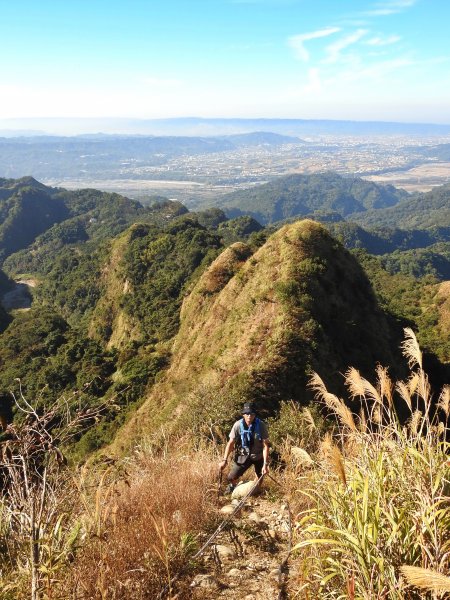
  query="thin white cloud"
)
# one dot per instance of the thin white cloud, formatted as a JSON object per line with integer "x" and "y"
{"x": 372, "y": 73}
{"x": 383, "y": 41}
{"x": 334, "y": 50}
{"x": 371, "y": 76}
{"x": 389, "y": 8}
{"x": 332, "y": 81}
{"x": 381, "y": 12}
{"x": 381, "y": 69}
{"x": 297, "y": 42}
{"x": 354, "y": 22}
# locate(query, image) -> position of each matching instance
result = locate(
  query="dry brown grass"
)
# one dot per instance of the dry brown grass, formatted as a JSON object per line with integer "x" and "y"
{"x": 426, "y": 579}
{"x": 224, "y": 268}
{"x": 150, "y": 530}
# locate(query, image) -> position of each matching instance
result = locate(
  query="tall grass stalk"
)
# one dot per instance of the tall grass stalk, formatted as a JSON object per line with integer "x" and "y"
{"x": 387, "y": 505}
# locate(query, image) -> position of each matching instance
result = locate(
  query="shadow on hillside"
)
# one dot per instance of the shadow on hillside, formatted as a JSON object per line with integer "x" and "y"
{"x": 18, "y": 298}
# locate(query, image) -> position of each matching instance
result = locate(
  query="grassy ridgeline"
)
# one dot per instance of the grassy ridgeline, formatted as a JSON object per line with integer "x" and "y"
{"x": 256, "y": 323}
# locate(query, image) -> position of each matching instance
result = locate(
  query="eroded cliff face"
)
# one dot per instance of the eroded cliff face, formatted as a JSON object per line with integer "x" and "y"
{"x": 256, "y": 324}
{"x": 109, "y": 323}
{"x": 443, "y": 304}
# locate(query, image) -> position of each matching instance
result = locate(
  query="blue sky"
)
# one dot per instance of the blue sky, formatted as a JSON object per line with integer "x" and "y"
{"x": 328, "y": 59}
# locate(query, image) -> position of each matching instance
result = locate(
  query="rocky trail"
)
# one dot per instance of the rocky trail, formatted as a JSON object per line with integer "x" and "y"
{"x": 248, "y": 560}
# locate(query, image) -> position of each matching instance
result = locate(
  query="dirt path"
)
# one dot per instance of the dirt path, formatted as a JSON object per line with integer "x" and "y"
{"x": 244, "y": 561}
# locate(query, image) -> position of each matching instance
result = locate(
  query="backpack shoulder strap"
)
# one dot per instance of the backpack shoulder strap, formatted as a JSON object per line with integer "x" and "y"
{"x": 257, "y": 422}
{"x": 238, "y": 439}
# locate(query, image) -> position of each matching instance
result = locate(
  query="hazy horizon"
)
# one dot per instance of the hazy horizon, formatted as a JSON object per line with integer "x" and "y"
{"x": 202, "y": 126}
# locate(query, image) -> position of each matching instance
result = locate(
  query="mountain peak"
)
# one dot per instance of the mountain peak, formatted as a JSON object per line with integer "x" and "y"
{"x": 256, "y": 323}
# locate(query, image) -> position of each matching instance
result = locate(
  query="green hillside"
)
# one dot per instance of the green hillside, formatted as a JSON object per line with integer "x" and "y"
{"x": 147, "y": 274}
{"x": 422, "y": 211}
{"x": 305, "y": 195}
{"x": 329, "y": 197}
{"x": 9, "y": 187}
{"x": 47, "y": 219}
{"x": 118, "y": 286}
{"x": 149, "y": 327}
{"x": 383, "y": 240}
{"x": 256, "y": 323}
{"x": 101, "y": 306}
{"x": 433, "y": 260}
{"x": 25, "y": 214}
{"x": 411, "y": 231}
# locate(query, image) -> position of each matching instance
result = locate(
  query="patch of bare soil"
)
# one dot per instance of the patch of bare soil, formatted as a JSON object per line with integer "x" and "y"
{"x": 422, "y": 178}
{"x": 19, "y": 298}
{"x": 443, "y": 303}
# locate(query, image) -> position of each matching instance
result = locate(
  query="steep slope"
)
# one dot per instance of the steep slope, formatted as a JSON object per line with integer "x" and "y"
{"x": 431, "y": 209}
{"x": 6, "y": 285}
{"x": 110, "y": 323}
{"x": 24, "y": 215}
{"x": 145, "y": 280}
{"x": 304, "y": 195}
{"x": 45, "y": 218}
{"x": 443, "y": 303}
{"x": 435, "y": 310}
{"x": 255, "y": 324}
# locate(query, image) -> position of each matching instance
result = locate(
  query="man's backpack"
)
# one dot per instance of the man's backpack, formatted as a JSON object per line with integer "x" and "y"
{"x": 245, "y": 439}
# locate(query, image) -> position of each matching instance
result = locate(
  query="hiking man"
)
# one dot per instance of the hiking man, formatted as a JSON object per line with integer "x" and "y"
{"x": 249, "y": 439}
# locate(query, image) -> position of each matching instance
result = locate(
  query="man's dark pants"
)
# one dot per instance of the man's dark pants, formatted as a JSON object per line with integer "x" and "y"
{"x": 237, "y": 470}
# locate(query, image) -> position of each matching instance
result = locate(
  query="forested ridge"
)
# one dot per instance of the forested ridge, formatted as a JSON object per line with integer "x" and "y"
{"x": 327, "y": 194}
{"x": 111, "y": 276}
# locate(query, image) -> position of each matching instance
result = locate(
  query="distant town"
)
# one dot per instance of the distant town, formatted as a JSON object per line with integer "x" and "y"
{"x": 193, "y": 169}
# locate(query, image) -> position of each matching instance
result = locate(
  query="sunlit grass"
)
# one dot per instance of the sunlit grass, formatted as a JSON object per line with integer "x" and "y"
{"x": 379, "y": 499}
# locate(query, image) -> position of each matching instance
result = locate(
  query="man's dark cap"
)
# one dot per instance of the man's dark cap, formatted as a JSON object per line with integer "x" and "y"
{"x": 249, "y": 408}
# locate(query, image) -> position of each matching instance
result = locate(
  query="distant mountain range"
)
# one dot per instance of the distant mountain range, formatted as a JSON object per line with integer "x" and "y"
{"x": 362, "y": 214}
{"x": 198, "y": 126}
{"x": 28, "y": 209}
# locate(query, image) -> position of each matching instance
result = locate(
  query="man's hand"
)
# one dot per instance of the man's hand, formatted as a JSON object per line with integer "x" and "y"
{"x": 265, "y": 469}
{"x": 222, "y": 465}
